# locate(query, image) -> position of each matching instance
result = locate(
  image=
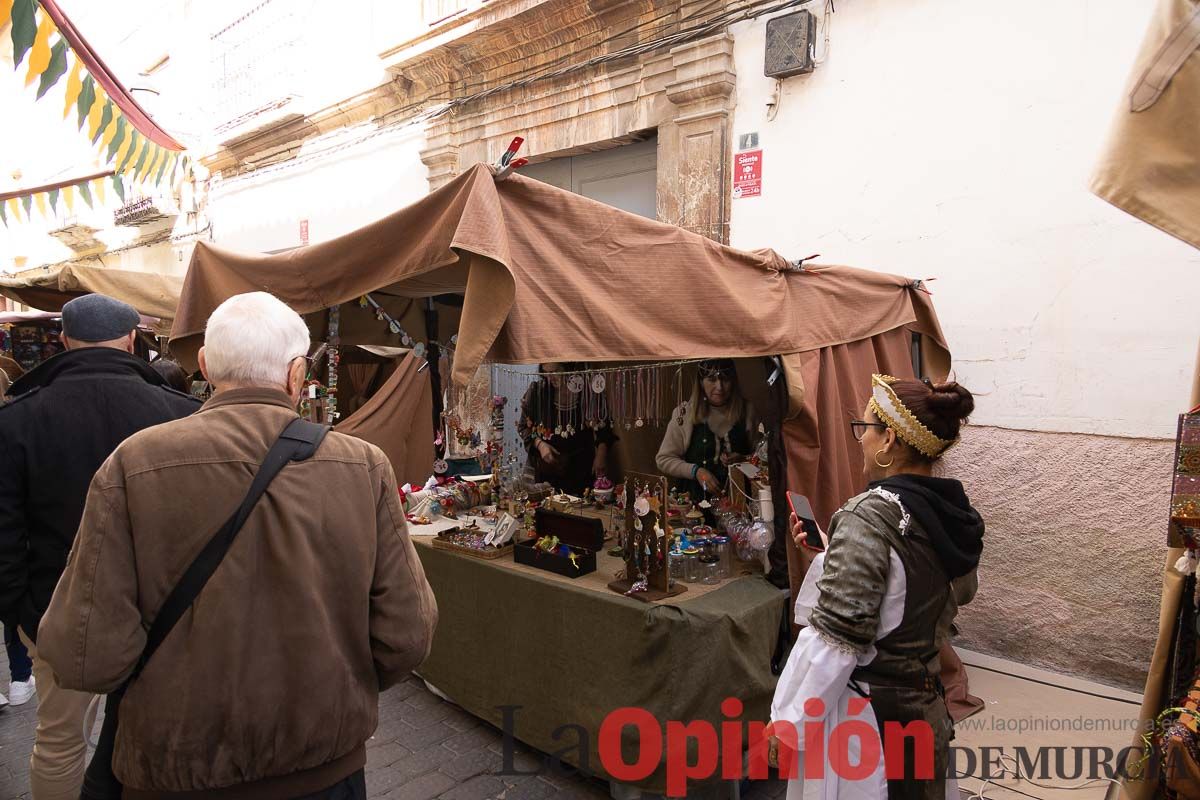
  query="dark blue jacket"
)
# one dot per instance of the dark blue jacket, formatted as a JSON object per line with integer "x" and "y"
{"x": 63, "y": 420}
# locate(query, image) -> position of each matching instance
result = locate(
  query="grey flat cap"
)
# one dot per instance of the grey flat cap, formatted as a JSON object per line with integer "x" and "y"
{"x": 98, "y": 318}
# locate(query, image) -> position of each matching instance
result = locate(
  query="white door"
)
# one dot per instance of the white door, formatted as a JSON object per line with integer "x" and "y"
{"x": 623, "y": 177}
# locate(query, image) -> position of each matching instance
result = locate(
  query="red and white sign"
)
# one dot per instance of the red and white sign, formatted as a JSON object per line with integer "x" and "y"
{"x": 303, "y": 233}
{"x": 747, "y": 173}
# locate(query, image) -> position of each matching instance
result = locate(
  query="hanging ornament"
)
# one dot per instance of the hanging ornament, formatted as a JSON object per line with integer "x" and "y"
{"x": 575, "y": 384}
{"x": 599, "y": 383}
{"x": 641, "y": 507}
{"x": 419, "y": 349}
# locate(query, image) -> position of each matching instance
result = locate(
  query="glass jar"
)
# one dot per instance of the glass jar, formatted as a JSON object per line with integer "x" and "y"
{"x": 691, "y": 571}
{"x": 677, "y": 561}
{"x": 725, "y": 555}
{"x": 709, "y": 564}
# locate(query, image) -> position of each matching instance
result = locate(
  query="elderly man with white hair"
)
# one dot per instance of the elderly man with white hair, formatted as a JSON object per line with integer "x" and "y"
{"x": 268, "y": 684}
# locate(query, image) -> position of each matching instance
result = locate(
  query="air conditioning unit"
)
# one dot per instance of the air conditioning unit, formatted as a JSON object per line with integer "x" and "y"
{"x": 790, "y": 42}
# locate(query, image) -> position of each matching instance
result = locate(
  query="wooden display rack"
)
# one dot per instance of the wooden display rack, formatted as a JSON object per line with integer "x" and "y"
{"x": 657, "y": 570}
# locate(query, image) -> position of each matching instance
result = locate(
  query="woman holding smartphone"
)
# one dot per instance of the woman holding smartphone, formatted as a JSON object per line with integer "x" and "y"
{"x": 879, "y": 603}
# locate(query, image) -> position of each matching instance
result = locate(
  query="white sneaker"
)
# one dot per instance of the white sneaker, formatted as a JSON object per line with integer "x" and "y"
{"x": 21, "y": 692}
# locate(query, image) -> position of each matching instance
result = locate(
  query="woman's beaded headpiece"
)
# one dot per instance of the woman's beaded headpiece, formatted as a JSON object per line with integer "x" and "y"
{"x": 893, "y": 413}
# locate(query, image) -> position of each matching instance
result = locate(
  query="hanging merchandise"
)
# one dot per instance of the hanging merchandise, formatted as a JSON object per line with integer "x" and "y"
{"x": 331, "y": 385}
{"x": 383, "y": 316}
{"x": 630, "y": 397}
{"x": 1185, "y": 493}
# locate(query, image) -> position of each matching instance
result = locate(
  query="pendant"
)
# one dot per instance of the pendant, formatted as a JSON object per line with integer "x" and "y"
{"x": 575, "y": 384}
{"x": 599, "y": 383}
{"x": 639, "y": 422}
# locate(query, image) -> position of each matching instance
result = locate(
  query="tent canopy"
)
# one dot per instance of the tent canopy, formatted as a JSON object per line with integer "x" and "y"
{"x": 152, "y": 294}
{"x": 548, "y": 275}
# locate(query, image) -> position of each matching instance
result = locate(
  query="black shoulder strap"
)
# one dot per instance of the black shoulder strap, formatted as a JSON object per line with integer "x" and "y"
{"x": 299, "y": 440}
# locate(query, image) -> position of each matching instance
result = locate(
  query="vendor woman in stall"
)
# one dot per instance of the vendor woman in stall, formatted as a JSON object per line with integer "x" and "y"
{"x": 565, "y": 449}
{"x": 709, "y": 432}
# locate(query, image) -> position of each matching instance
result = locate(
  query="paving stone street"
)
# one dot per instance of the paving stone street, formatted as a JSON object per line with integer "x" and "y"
{"x": 424, "y": 748}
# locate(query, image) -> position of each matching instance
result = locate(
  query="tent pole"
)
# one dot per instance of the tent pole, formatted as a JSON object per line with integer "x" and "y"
{"x": 434, "y": 356}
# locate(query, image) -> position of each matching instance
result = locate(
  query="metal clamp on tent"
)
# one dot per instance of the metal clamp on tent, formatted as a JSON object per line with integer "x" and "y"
{"x": 508, "y": 160}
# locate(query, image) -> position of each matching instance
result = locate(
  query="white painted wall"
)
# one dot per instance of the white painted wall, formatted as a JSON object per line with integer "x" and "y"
{"x": 337, "y": 192}
{"x": 954, "y": 138}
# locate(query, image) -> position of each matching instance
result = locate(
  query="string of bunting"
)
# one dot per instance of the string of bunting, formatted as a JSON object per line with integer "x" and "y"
{"x": 90, "y": 189}
{"x": 54, "y": 56}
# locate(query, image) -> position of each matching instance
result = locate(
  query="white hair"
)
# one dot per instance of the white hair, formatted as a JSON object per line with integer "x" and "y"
{"x": 251, "y": 339}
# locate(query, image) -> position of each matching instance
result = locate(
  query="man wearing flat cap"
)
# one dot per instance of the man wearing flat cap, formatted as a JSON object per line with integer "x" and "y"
{"x": 65, "y": 417}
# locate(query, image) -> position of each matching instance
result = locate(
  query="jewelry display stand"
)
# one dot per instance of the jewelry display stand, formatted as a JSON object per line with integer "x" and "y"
{"x": 646, "y": 544}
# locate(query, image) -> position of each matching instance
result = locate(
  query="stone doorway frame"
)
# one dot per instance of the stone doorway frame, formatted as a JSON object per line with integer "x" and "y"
{"x": 686, "y": 94}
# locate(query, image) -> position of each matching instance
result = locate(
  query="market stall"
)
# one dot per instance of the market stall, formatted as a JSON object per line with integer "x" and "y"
{"x": 589, "y": 614}
{"x": 48, "y": 288}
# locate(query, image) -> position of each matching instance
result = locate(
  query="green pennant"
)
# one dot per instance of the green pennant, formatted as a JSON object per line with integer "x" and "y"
{"x": 4, "y": 213}
{"x": 115, "y": 144}
{"x": 87, "y": 96}
{"x": 168, "y": 158}
{"x": 24, "y": 28}
{"x": 119, "y": 187}
{"x": 137, "y": 168}
{"x": 134, "y": 146}
{"x": 27, "y": 201}
{"x": 85, "y": 192}
{"x": 106, "y": 116}
{"x": 56, "y": 69}
{"x": 54, "y": 199}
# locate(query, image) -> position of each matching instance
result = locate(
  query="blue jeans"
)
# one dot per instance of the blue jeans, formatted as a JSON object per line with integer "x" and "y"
{"x": 20, "y": 665}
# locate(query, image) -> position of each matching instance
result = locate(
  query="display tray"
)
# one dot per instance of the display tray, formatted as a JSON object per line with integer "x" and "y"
{"x": 491, "y": 554}
{"x": 525, "y": 553}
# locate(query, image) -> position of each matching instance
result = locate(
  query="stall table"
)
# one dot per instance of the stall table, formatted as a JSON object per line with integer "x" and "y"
{"x": 556, "y": 651}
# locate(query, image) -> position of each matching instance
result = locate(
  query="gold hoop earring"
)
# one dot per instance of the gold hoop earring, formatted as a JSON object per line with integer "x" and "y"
{"x": 883, "y": 466}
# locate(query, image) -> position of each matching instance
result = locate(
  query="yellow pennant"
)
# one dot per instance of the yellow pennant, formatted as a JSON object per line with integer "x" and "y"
{"x": 39, "y": 54}
{"x": 152, "y": 170}
{"x": 123, "y": 150}
{"x": 110, "y": 131}
{"x": 96, "y": 113}
{"x": 5, "y": 12}
{"x": 68, "y": 195}
{"x": 74, "y": 84}
{"x": 14, "y": 208}
{"x": 151, "y": 156}
{"x": 40, "y": 200}
{"x": 98, "y": 189}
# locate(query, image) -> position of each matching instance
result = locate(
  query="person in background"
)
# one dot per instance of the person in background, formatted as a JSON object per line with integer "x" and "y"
{"x": 63, "y": 418}
{"x": 269, "y": 686}
{"x": 879, "y": 603}
{"x": 11, "y": 368}
{"x": 708, "y": 433}
{"x": 565, "y": 450}
{"x": 172, "y": 374}
{"x": 21, "y": 686}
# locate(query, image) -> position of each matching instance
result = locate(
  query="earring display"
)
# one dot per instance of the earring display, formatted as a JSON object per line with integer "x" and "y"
{"x": 645, "y": 545}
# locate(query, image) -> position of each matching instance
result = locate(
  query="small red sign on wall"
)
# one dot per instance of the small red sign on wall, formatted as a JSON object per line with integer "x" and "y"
{"x": 303, "y": 233}
{"x": 747, "y": 173}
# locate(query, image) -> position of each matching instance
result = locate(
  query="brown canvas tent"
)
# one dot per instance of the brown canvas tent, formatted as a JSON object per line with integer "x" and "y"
{"x": 547, "y": 275}
{"x": 48, "y": 288}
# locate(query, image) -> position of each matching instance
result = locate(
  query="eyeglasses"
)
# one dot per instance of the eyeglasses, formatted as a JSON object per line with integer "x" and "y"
{"x": 858, "y": 427}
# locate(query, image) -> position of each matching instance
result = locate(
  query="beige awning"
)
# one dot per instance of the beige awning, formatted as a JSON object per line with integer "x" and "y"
{"x": 48, "y": 288}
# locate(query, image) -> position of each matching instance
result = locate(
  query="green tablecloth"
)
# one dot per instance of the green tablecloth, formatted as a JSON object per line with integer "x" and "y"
{"x": 571, "y": 655}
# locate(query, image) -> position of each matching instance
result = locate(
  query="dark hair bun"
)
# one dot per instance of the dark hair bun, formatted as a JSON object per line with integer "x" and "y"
{"x": 951, "y": 401}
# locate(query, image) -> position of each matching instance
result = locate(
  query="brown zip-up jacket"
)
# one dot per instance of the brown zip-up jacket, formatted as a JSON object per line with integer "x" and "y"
{"x": 269, "y": 685}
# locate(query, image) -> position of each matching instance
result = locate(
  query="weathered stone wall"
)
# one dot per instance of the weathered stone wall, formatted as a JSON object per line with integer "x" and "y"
{"x": 1074, "y": 549}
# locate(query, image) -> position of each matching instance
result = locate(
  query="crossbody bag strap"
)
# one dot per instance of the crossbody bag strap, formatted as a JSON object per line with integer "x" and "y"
{"x": 298, "y": 441}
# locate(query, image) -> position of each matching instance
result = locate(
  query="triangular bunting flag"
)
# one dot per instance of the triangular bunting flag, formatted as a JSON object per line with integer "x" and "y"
{"x": 40, "y": 199}
{"x": 24, "y": 28}
{"x": 74, "y": 87}
{"x": 55, "y": 69}
{"x": 39, "y": 53}
{"x": 85, "y": 193}
{"x": 69, "y": 198}
{"x": 119, "y": 187}
{"x": 54, "y": 193}
{"x": 98, "y": 185}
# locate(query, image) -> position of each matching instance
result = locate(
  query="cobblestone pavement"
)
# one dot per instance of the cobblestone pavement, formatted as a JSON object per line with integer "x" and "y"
{"x": 424, "y": 748}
